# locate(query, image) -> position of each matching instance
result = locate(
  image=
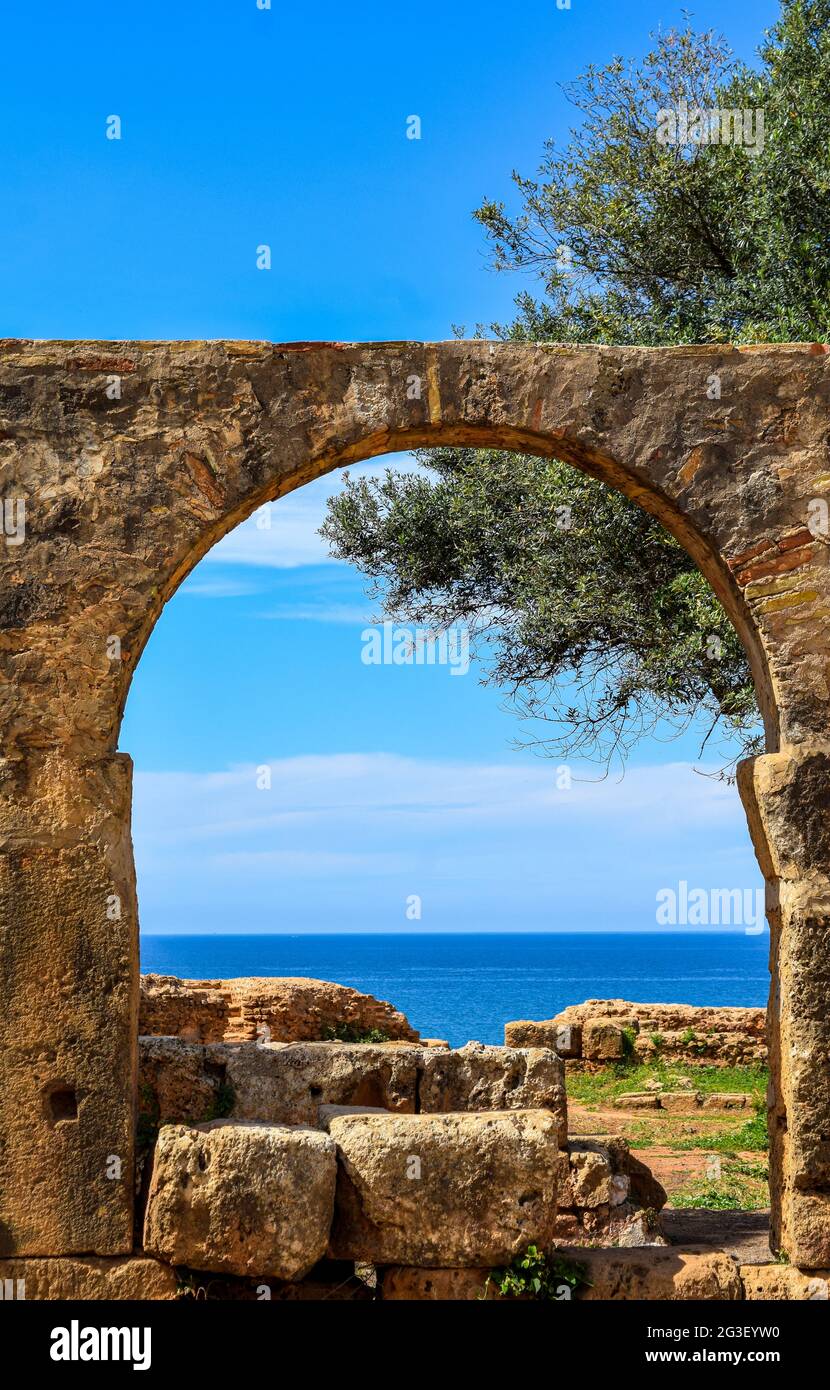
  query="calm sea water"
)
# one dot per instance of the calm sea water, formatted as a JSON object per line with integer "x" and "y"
{"x": 468, "y": 986}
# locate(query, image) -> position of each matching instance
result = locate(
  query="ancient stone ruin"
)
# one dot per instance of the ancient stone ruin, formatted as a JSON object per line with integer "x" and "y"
{"x": 608, "y": 1030}
{"x": 281, "y": 1010}
{"x": 123, "y": 463}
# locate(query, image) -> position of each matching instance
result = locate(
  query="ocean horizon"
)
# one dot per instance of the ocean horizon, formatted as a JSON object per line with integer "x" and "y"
{"x": 465, "y": 986}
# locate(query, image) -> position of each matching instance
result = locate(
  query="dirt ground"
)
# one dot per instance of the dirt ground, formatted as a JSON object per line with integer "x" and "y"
{"x": 692, "y": 1176}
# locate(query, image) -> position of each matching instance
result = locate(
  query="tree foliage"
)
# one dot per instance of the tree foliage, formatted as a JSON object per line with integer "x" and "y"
{"x": 603, "y": 627}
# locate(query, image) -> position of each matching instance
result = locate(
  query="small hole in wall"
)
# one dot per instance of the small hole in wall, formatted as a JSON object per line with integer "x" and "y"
{"x": 61, "y": 1103}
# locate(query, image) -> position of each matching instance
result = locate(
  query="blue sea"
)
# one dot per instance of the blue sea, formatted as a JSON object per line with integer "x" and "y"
{"x": 467, "y": 986}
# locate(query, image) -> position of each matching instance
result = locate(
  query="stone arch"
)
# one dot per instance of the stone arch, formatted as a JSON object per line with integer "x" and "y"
{"x": 599, "y": 465}
{"x": 133, "y": 459}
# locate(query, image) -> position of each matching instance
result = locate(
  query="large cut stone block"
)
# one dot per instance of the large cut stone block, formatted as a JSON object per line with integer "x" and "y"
{"x": 476, "y": 1077}
{"x": 644, "y": 1274}
{"x": 401, "y": 1283}
{"x": 602, "y": 1041}
{"x": 776, "y": 1283}
{"x": 286, "y": 1083}
{"x": 439, "y": 1190}
{"x": 807, "y": 1228}
{"x": 652, "y": 1273}
{"x": 130, "y": 1277}
{"x": 241, "y": 1199}
{"x": 176, "y": 1084}
{"x": 68, "y": 1012}
{"x": 564, "y": 1038}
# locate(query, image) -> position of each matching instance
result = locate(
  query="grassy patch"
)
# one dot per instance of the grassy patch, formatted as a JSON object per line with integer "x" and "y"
{"x": 741, "y": 1186}
{"x": 751, "y": 1136}
{"x": 594, "y": 1088}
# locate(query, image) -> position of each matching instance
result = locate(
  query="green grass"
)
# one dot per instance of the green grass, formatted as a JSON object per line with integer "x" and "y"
{"x": 672, "y": 1131}
{"x": 588, "y": 1088}
{"x": 750, "y": 1137}
{"x": 741, "y": 1186}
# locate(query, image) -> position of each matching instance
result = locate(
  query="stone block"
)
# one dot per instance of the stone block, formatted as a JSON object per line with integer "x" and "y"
{"x": 244, "y": 1199}
{"x": 568, "y": 1040}
{"x": 68, "y": 1012}
{"x": 784, "y": 1283}
{"x": 637, "y": 1100}
{"x": 175, "y": 1086}
{"x": 69, "y": 1278}
{"x": 602, "y": 1041}
{"x": 679, "y": 1102}
{"x": 444, "y": 1190}
{"x": 286, "y": 1083}
{"x": 591, "y": 1174}
{"x": 808, "y": 1228}
{"x": 657, "y": 1273}
{"x": 727, "y": 1100}
{"x": 476, "y": 1077}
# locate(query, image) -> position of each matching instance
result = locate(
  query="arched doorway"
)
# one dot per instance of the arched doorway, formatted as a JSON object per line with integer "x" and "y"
{"x": 135, "y": 458}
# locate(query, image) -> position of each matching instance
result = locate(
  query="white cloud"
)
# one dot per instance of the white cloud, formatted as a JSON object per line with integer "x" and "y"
{"x": 291, "y": 540}
{"x": 217, "y": 588}
{"x": 383, "y": 788}
{"x": 347, "y": 613}
{"x": 340, "y": 841}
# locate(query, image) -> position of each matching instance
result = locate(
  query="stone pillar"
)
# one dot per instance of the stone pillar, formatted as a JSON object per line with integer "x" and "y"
{"x": 787, "y": 799}
{"x": 69, "y": 1015}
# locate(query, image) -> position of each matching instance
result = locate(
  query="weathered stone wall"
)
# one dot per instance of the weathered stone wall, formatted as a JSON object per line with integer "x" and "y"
{"x": 132, "y": 459}
{"x": 608, "y": 1030}
{"x": 654, "y": 1274}
{"x": 272, "y": 1009}
{"x": 286, "y": 1083}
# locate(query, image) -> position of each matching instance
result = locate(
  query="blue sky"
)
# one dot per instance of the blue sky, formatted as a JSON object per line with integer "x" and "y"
{"x": 287, "y": 126}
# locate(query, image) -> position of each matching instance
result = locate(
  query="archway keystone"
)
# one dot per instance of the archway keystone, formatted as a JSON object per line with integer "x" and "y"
{"x": 128, "y": 461}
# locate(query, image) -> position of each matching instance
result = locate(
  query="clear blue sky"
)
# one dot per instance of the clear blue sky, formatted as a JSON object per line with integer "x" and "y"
{"x": 287, "y": 126}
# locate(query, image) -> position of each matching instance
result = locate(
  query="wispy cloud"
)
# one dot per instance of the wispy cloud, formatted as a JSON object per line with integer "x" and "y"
{"x": 350, "y": 614}
{"x": 217, "y": 588}
{"x": 291, "y": 539}
{"x": 325, "y": 788}
{"x": 348, "y": 836}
